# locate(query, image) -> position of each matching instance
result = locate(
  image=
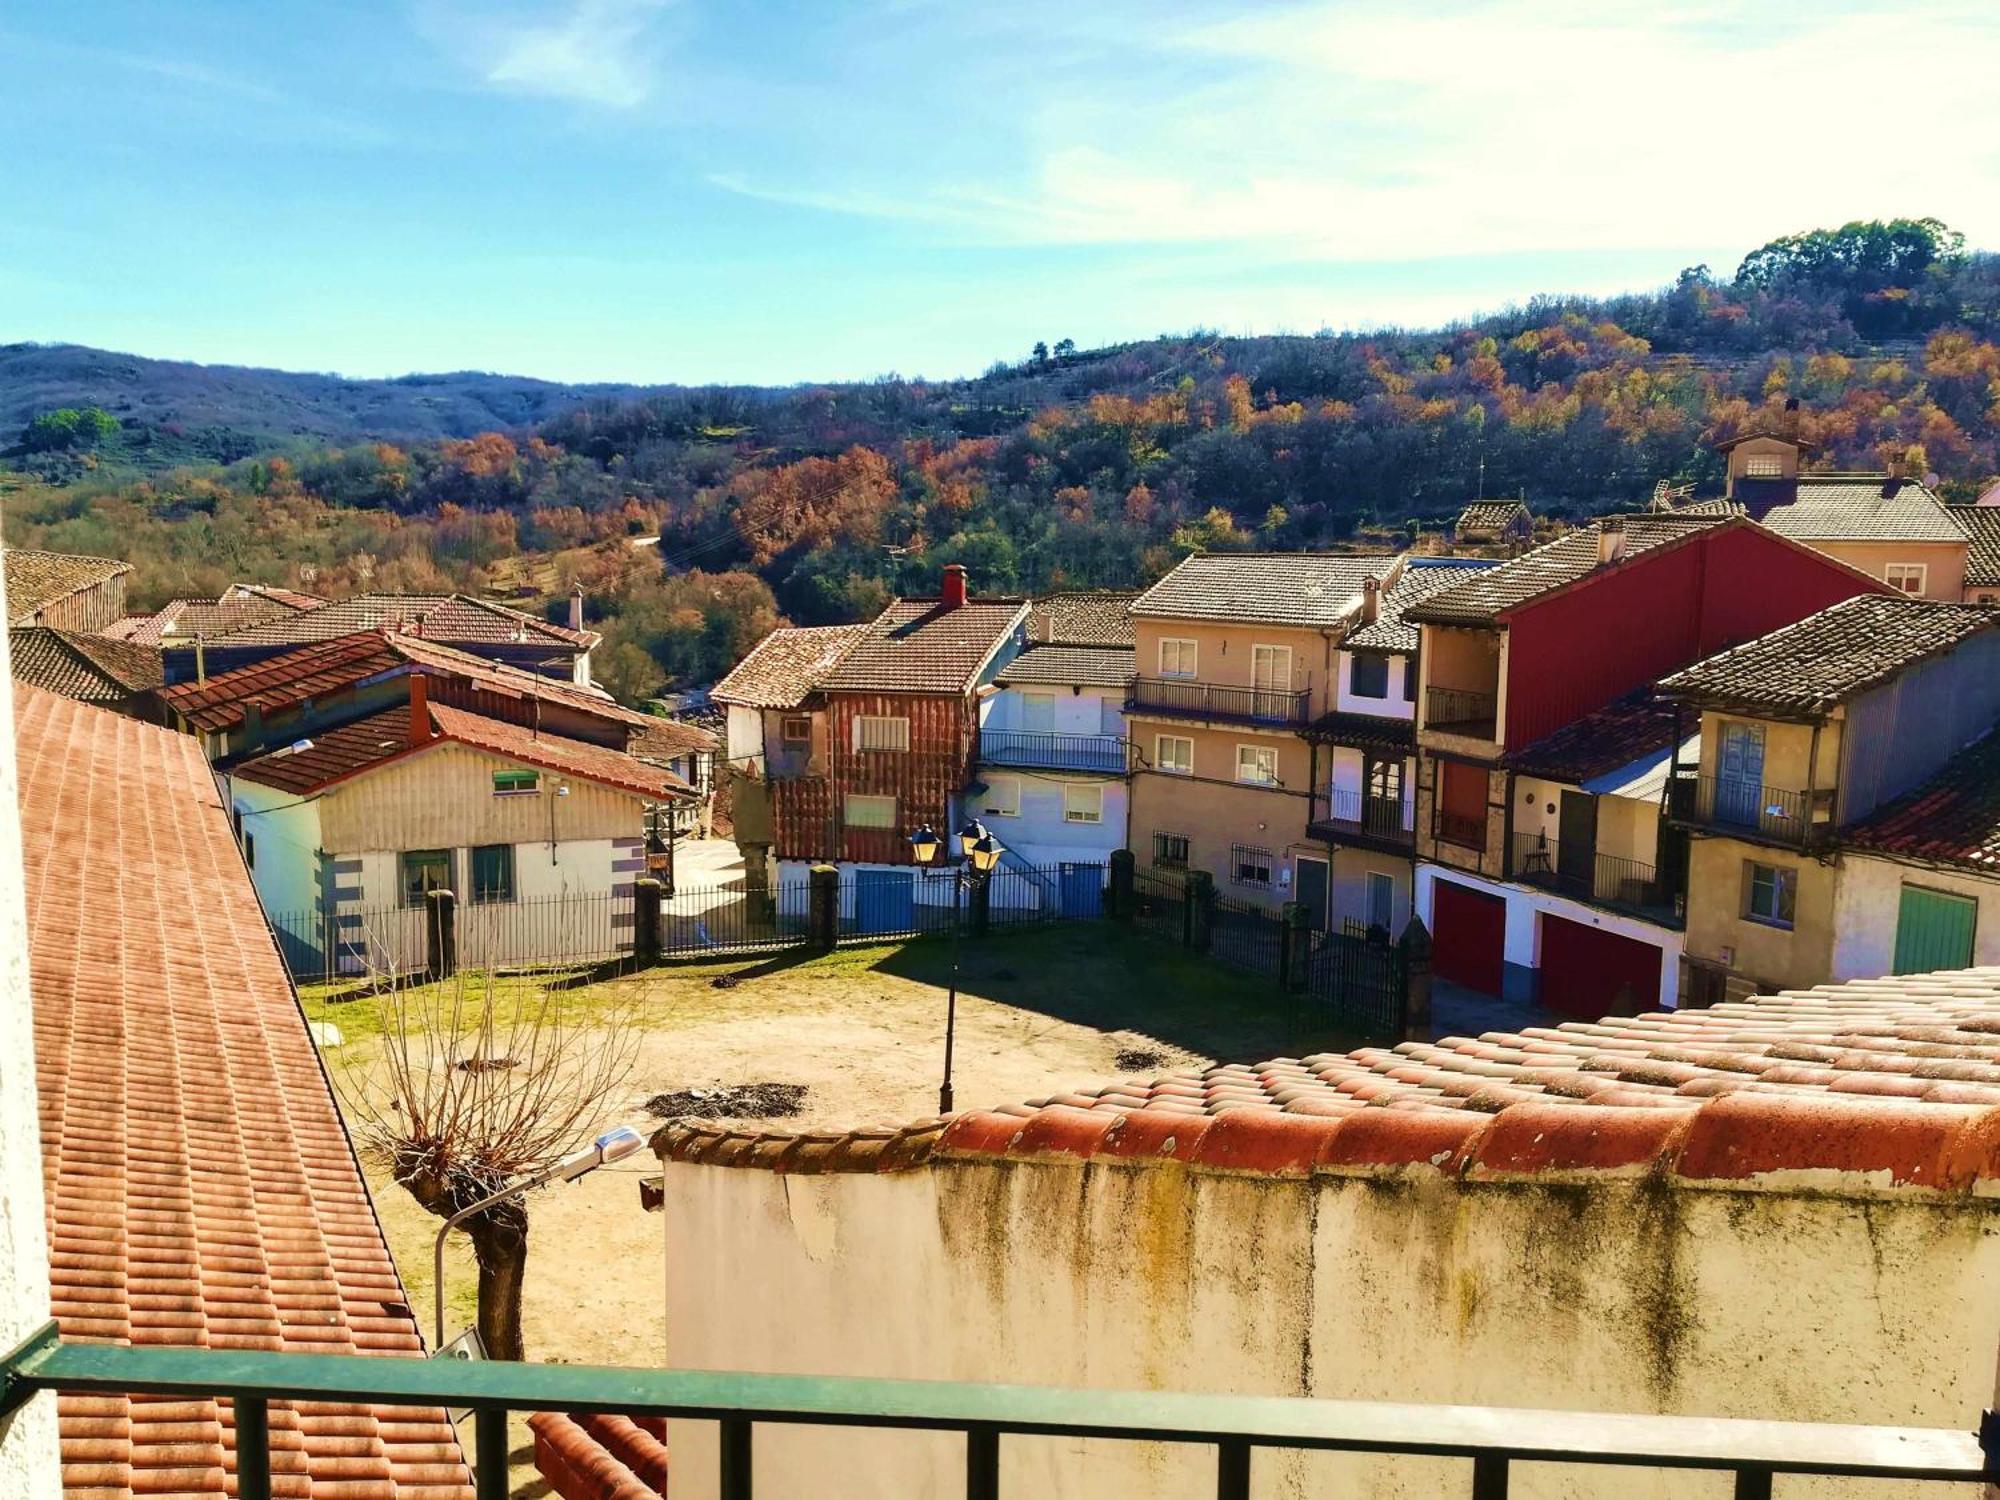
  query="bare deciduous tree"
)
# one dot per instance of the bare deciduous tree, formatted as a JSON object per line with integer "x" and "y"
{"x": 475, "y": 1086}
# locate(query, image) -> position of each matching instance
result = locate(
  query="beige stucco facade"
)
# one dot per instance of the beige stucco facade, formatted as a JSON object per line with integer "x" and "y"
{"x": 1759, "y": 957}
{"x": 1943, "y": 562}
{"x": 1815, "y": 1296}
{"x": 1215, "y": 815}
{"x": 1224, "y": 655}
{"x": 1867, "y": 902}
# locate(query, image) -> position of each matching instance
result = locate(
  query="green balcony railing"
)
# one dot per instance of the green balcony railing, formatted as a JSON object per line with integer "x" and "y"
{"x": 1492, "y": 1438}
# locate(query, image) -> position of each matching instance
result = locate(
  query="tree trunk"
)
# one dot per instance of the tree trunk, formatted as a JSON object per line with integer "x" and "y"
{"x": 500, "y": 1245}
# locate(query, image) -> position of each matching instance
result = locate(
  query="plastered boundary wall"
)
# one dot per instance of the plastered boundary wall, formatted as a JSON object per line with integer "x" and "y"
{"x": 1840, "y": 1269}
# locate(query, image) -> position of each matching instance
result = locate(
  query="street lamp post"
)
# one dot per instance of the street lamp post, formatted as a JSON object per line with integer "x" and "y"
{"x": 982, "y": 853}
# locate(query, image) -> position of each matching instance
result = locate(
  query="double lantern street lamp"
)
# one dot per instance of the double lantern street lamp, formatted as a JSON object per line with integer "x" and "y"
{"x": 982, "y": 854}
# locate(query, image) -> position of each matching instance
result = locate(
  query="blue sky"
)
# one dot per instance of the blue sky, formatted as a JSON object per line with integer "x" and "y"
{"x": 672, "y": 190}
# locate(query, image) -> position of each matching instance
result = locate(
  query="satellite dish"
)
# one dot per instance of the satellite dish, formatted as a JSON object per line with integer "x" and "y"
{"x": 1931, "y": 480}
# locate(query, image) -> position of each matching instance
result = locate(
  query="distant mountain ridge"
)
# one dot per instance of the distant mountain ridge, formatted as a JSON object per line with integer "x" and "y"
{"x": 261, "y": 404}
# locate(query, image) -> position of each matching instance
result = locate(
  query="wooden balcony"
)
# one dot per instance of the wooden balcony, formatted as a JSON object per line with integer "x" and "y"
{"x": 1188, "y": 699}
{"x": 1464, "y": 712}
{"x": 1359, "y": 819}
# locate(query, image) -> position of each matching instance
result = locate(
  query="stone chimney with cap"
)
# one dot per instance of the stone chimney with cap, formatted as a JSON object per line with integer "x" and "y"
{"x": 420, "y": 710}
{"x": 1610, "y": 539}
{"x": 953, "y": 596}
{"x": 576, "y": 607}
{"x": 1371, "y": 599}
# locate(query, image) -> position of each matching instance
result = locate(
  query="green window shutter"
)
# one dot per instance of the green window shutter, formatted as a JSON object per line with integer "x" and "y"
{"x": 1934, "y": 930}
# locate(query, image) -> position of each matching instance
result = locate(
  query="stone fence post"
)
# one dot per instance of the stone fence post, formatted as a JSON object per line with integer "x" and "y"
{"x": 822, "y": 907}
{"x": 440, "y": 934}
{"x": 1198, "y": 915}
{"x": 1414, "y": 947}
{"x": 647, "y": 938}
{"x": 1120, "y": 899}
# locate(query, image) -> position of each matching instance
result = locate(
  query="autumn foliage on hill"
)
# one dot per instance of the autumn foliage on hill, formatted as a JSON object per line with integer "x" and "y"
{"x": 1089, "y": 469}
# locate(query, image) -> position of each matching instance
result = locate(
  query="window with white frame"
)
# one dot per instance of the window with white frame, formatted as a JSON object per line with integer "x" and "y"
{"x": 1257, "y": 764}
{"x": 1083, "y": 802}
{"x": 1763, "y": 466}
{"x": 1003, "y": 797}
{"x": 875, "y": 732}
{"x": 1170, "y": 849}
{"x": 1174, "y": 753}
{"x": 1177, "y": 657}
{"x": 870, "y": 812}
{"x": 1249, "y": 866}
{"x": 1038, "y": 712}
{"x": 1909, "y": 577}
{"x": 1271, "y": 668}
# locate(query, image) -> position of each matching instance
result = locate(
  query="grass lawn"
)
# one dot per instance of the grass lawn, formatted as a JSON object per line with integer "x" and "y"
{"x": 862, "y": 1029}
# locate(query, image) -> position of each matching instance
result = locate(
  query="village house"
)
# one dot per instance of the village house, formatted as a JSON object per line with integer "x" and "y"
{"x": 1053, "y": 754}
{"x": 1494, "y": 523}
{"x": 1236, "y": 654}
{"x": 1982, "y": 557}
{"x": 62, "y": 590}
{"x": 184, "y": 620}
{"x": 1364, "y": 796}
{"x": 201, "y": 1191}
{"x": 1804, "y": 733}
{"x": 1680, "y": 1213}
{"x": 539, "y": 837}
{"x": 89, "y": 668}
{"x": 1536, "y": 852}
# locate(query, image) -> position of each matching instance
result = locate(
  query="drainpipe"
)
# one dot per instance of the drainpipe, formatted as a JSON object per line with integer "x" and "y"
{"x": 200, "y": 661}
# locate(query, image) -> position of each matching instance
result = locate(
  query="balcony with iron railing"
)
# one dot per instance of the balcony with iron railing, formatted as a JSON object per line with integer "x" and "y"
{"x": 1467, "y": 713}
{"x": 1045, "y": 750}
{"x": 1623, "y": 885}
{"x": 1767, "y": 814}
{"x": 1188, "y": 699}
{"x": 1356, "y": 817}
{"x": 1239, "y": 1429}
{"x": 1466, "y": 830}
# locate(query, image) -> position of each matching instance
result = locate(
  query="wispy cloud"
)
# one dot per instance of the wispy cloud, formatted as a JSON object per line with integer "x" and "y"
{"x": 1380, "y": 131}
{"x": 592, "y": 51}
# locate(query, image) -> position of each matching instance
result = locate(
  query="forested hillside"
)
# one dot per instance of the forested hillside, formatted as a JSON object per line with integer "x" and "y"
{"x": 1069, "y": 468}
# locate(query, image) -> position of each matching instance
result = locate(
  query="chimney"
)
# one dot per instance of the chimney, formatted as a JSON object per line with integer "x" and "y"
{"x": 576, "y": 607}
{"x": 1610, "y": 539}
{"x": 1897, "y": 463}
{"x": 1371, "y": 600}
{"x": 420, "y": 710}
{"x": 954, "y": 586}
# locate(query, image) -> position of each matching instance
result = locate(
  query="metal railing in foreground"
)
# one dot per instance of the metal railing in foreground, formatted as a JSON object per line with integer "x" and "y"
{"x": 1492, "y": 1438}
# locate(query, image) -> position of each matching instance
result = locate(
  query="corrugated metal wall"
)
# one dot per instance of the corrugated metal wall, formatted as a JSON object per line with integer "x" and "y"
{"x": 1902, "y": 733}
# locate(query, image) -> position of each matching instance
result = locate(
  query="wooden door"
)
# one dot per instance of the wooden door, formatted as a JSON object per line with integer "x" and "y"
{"x": 1739, "y": 774}
{"x": 1576, "y": 845}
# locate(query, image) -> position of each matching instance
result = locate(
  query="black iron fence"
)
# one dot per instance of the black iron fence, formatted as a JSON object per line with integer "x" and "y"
{"x": 1361, "y": 815}
{"x": 1460, "y": 711}
{"x": 1057, "y": 752}
{"x": 1723, "y": 804}
{"x": 1358, "y": 980}
{"x": 1600, "y": 879}
{"x": 1202, "y": 700}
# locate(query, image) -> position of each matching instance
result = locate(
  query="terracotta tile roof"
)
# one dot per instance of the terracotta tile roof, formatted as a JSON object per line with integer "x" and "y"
{"x": 88, "y": 668}
{"x": 314, "y": 670}
{"x": 1484, "y": 598}
{"x": 1378, "y": 731}
{"x": 1072, "y": 666}
{"x": 784, "y": 668}
{"x": 1954, "y": 818}
{"x": 1101, "y": 617}
{"x": 37, "y": 579}
{"x": 377, "y": 740}
{"x": 187, "y": 619}
{"x": 1981, "y": 523}
{"x": 1637, "y": 725}
{"x": 1310, "y": 589}
{"x": 292, "y": 597}
{"x": 1714, "y": 506}
{"x": 1886, "y": 1083}
{"x": 918, "y": 646}
{"x": 1829, "y": 657}
{"x": 454, "y": 619}
{"x": 1492, "y": 515}
{"x": 593, "y": 1456}
{"x": 1422, "y": 577}
{"x": 669, "y": 739}
{"x": 1862, "y": 508}
{"x": 201, "y": 1189}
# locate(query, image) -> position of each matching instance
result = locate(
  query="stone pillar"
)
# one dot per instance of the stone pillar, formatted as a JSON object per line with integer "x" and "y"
{"x": 440, "y": 934}
{"x": 647, "y": 939}
{"x": 1415, "y": 949}
{"x": 822, "y": 907}
{"x": 1121, "y": 899}
{"x": 1199, "y": 912}
{"x": 1294, "y": 946}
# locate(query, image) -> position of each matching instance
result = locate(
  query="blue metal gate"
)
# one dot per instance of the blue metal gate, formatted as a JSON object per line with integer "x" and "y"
{"x": 1083, "y": 890}
{"x": 885, "y": 901}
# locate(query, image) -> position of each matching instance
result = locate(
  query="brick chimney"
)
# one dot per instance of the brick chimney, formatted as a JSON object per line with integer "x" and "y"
{"x": 1610, "y": 539}
{"x": 576, "y": 607}
{"x": 954, "y": 586}
{"x": 420, "y": 710}
{"x": 1371, "y": 600}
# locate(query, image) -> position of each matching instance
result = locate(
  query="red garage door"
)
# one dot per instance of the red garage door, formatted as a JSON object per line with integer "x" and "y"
{"x": 1589, "y": 972}
{"x": 1469, "y": 936}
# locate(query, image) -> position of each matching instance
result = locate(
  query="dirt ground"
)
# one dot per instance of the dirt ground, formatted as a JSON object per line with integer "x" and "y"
{"x": 862, "y": 1030}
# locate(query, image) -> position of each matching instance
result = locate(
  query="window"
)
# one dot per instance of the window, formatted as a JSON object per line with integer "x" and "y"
{"x": 797, "y": 730}
{"x": 871, "y": 733}
{"x": 1083, "y": 802}
{"x": 1003, "y": 797}
{"x": 1409, "y": 679}
{"x": 1177, "y": 658}
{"x": 1257, "y": 764}
{"x": 1909, "y": 577}
{"x": 1174, "y": 753}
{"x": 1368, "y": 677}
{"x": 493, "y": 873}
{"x": 870, "y": 812}
{"x": 1271, "y": 668}
{"x": 1381, "y": 899}
{"x": 1170, "y": 849}
{"x": 516, "y": 783}
{"x": 1249, "y": 866}
{"x": 424, "y": 871}
{"x": 1770, "y": 893}
{"x": 1763, "y": 466}
{"x": 1038, "y": 712}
